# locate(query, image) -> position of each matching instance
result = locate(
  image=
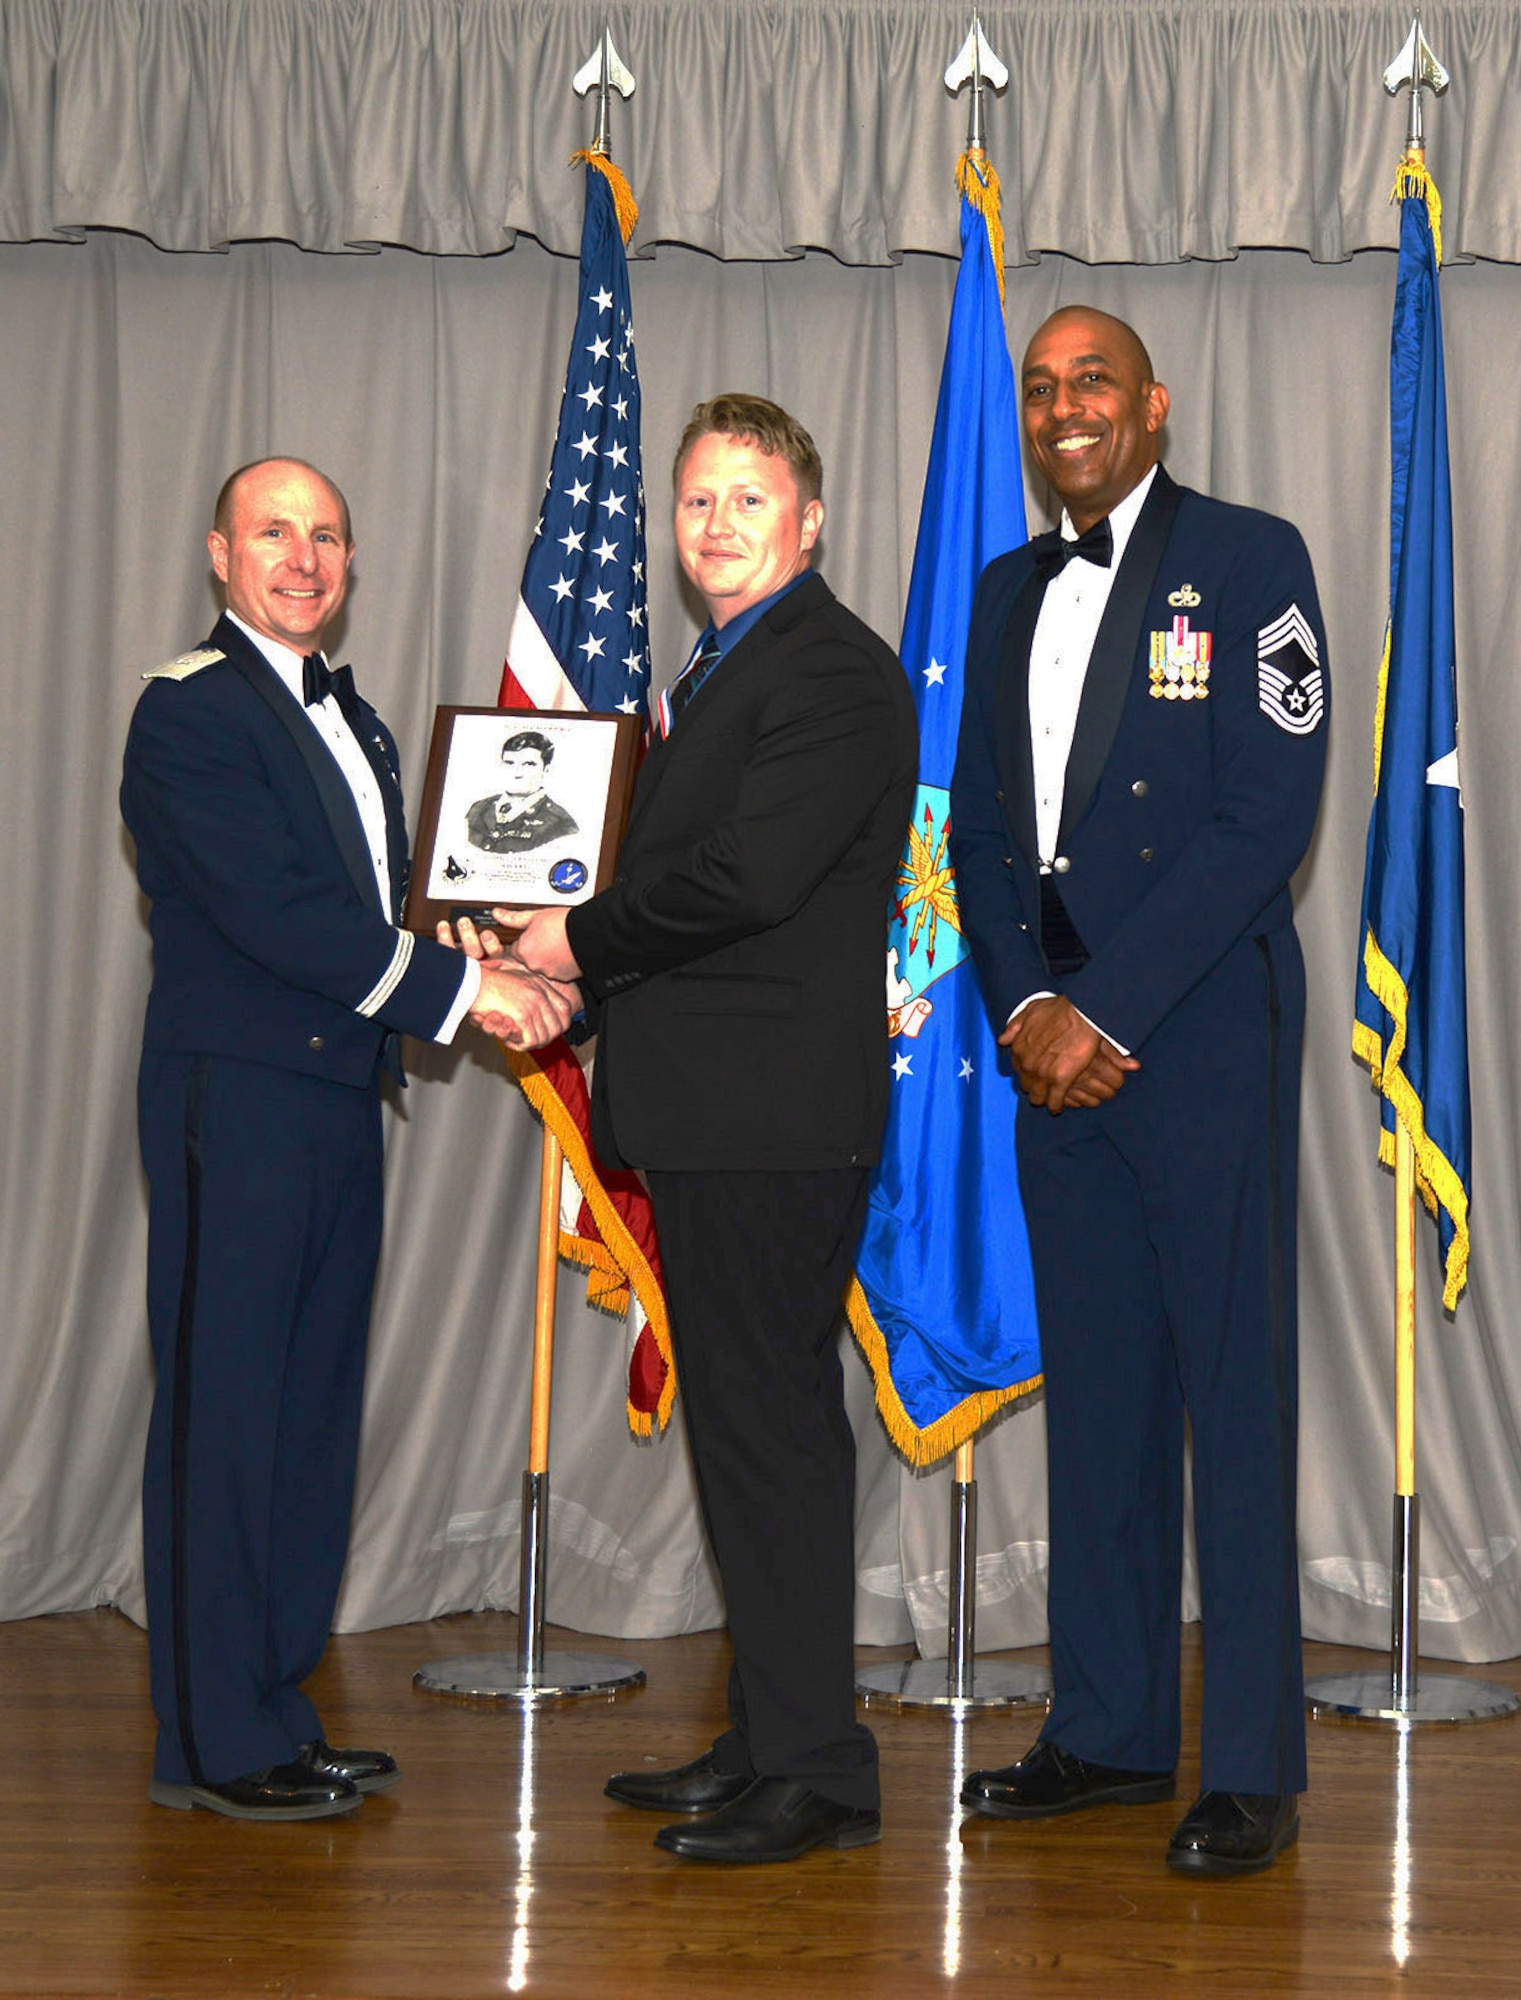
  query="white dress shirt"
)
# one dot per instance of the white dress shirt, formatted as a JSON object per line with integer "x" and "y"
{"x": 1070, "y": 615}
{"x": 330, "y": 723}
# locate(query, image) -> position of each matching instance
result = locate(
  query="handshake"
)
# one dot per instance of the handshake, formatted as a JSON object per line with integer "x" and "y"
{"x": 528, "y": 991}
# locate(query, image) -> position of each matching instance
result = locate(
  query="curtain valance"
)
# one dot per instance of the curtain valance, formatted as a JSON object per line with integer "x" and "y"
{"x": 1132, "y": 131}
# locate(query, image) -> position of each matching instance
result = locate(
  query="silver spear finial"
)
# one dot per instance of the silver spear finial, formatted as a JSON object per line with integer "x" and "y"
{"x": 603, "y": 69}
{"x": 976, "y": 62}
{"x": 1415, "y": 68}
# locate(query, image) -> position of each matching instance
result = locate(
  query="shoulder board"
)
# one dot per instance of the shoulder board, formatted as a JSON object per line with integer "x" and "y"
{"x": 187, "y": 664}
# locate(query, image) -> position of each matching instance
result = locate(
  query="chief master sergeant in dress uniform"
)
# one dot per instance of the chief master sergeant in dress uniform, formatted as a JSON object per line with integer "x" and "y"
{"x": 1140, "y": 762}
{"x": 264, "y": 801}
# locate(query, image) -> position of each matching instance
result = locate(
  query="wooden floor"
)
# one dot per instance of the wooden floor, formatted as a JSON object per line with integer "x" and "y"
{"x": 497, "y": 1867}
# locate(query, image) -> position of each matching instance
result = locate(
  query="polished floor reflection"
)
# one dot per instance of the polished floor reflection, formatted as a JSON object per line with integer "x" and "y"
{"x": 497, "y": 1867}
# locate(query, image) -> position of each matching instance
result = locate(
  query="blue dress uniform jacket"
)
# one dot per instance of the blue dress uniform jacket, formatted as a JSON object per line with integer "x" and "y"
{"x": 277, "y": 980}
{"x": 742, "y": 1061}
{"x": 1162, "y": 1222}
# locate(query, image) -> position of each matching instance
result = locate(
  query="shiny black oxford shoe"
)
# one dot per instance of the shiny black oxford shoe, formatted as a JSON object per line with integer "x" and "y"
{"x": 1048, "y": 1780}
{"x": 365, "y": 1770}
{"x": 698, "y": 1787}
{"x": 284, "y": 1791}
{"x": 1234, "y": 1833}
{"x": 774, "y": 1819}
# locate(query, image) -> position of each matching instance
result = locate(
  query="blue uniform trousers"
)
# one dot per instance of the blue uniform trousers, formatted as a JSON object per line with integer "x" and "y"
{"x": 263, "y": 1235}
{"x": 1162, "y": 1235}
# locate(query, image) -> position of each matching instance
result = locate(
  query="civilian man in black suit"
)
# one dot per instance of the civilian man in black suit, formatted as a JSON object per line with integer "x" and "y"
{"x": 737, "y": 963}
{"x": 264, "y": 800}
{"x": 1140, "y": 761}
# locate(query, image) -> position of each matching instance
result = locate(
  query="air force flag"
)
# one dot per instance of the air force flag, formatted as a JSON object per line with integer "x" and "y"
{"x": 944, "y": 1304}
{"x": 1411, "y": 1024}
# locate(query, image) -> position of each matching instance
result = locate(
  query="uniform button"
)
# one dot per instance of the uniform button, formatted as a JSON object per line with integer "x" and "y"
{"x": 1148, "y": 854}
{"x": 1140, "y": 788}
{"x": 1008, "y": 861}
{"x": 999, "y": 797}
{"x": 316, "y": 1044}
{"x": 1060, "y": 865}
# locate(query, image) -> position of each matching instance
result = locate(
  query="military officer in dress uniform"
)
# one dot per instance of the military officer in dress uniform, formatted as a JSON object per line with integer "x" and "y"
{"x": 1140, "y": 763}
{"x": 265, "y": 804}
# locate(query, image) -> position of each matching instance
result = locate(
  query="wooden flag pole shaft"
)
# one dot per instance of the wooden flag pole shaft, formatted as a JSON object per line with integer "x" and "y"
{"x": 1397, "y": 1694}
{"x": 531, "y": 1674}
{"x": 533, "y": 1550}
{"x": 544, "y": 1301}
{"x": 1405, "y": 1570}
{"x": 1404, "y": 1313}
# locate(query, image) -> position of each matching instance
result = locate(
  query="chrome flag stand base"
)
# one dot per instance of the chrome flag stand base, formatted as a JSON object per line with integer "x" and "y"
{"x": 1397, "y": 1693}
{"x": 530, "y": 1674}
{"x": 959, "y": 1682}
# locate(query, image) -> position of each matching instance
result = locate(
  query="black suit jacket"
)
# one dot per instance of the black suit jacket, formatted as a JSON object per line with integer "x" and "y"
{"x": 739, "y": 957}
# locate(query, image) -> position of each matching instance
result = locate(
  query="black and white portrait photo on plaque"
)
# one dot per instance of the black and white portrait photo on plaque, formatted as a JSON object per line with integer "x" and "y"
{"x": 521, "y": 806}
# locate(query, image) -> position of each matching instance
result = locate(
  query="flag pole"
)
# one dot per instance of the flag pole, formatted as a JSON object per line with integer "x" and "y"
{"x": 960, "y": 1683}
{"x": 531, "y": 1674}
{"x": 1398, "y": 1694}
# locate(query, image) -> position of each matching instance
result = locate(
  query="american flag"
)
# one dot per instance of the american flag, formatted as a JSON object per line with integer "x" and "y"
{"x": 580, "y": 640}
{"x": 580, "y": 636}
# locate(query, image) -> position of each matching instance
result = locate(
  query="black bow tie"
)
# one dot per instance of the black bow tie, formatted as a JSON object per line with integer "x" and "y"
{"x": 1096, "y": 546}
{"x": 318, "y": 680}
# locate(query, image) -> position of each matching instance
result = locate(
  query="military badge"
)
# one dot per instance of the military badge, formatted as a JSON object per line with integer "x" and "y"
{"x": 1290, "y": 690}
{"x": 1180, "y": 660}
{"x": 1184, "y": 598}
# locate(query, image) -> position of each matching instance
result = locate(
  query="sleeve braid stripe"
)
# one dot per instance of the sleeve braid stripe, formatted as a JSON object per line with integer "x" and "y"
{"x": 391, "y": 978}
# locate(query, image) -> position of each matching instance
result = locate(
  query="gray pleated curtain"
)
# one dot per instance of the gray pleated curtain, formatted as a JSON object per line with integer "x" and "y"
{"x": 184, "y": 188}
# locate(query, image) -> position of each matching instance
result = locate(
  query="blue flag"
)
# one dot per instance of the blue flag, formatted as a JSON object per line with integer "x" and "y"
{"x": 944, "y": 1304}
{"x": 1412, "y": 1025}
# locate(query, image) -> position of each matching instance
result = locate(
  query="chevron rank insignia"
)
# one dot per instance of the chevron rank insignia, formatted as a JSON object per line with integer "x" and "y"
{"x": 1289, "y": 687}
{"x": 187, "y": 664}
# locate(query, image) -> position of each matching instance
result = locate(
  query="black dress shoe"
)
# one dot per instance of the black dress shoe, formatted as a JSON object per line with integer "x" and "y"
{"x": 697, "y": 1787}
{"x": 1234, "y": 1833}
{"x": 365, "y": 1770}
{"x": 1048, "y": 1780}
{"x": 285, "y": 1791}
{"x": 776, "y": 1819}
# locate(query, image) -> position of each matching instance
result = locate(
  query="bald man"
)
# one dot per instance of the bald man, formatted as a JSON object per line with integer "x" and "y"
{"x": 264, "y": 800}
{"x": 1142, "y": 745}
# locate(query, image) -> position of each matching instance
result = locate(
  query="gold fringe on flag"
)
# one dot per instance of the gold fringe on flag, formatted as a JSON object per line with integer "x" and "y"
{"x": 946, "y": 1434}
{"x": 624, "y": 205}
{"x": 977, "y": 178}
{"x": 605, "y": 1282}
{"x": 1435, "y": 1175}
{"x": 1413, "y": 181}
